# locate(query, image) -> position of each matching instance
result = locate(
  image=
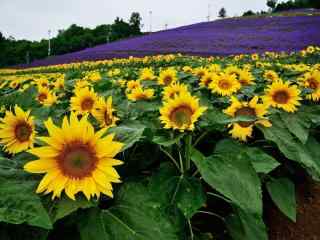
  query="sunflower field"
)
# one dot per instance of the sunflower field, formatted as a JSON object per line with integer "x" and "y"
{"x": 166, "y": 147}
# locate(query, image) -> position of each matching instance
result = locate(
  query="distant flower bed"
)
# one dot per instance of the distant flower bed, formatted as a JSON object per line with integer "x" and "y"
{"x": 162, "y": 147}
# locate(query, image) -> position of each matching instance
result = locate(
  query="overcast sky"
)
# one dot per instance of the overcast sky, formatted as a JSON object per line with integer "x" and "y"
{"x": 31, "y": 19}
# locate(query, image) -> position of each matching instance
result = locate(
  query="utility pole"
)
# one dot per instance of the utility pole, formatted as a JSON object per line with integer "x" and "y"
{"x": 49, "y": 43}
{"x": 28, "y": 57}
{"x": 209, "y": 12}
{"x": 150, "y": 19}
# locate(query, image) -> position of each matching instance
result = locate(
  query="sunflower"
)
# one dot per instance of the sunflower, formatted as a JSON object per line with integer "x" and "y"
{"x": 42, "y": 82}
{"x": 214, "y": 68}
{"x": 104, "y": 113}
{"x": 172, "y": 90}
{"x": 243, "y": 130}
{"x": 225, "y": 84}
{"x": 84, "y": 101}
{"x": 271, "y": 75}
{"x": 232, "y": 70}
{"x": 59, "y": 83}
{"x": 46, "y": 97}
{"x": 132, "y": 84}
{"x": 76, "y": 159}
{"x": 140, "y": 94}
{"x": 17, "y": 131}
{"x": 81, "y": 84}
{"x": 255, "y": 57}
{"x": 181, "y": 112}
{"x": 147, "y": 74}
{"x": 200, "y": 72}
{"x": 167, "y": 76}
{"x": 245, "y": 78}
{"x": 207, "y": 79}
{"x": 281, "y": 95}
{"x": 312, "y": 80}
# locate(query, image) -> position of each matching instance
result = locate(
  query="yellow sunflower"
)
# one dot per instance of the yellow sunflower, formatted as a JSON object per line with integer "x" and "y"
{"x": 207, "y": 79}
{"x": 42, "y": 82}
{"x": 84, "y": 101}
{"x": 173, "y": 89}
{"x": 312, "y": 80}
{"x": 76, "y": 159}
{"x": 17, "y": 131}
{"x": 225, "y": 84}
{"x": 132, "y": 84}
{"x": 245, "y": 78}
{"x": 281, "y": 95}
{"x": 200, "y": 72}
{"x": 167, "y": 76}
{"x": 271, "y": 75}
{"x": 147, "y": 74}
{"x": 46, "y": 97}
{"x": 181, "y": 112}
{"x": 140, "y": 94}
{"x": 243, "y": 130}
{"x": 104, "y": 113}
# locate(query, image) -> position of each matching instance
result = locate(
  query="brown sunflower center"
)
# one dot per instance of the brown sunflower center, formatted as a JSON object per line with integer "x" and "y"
{"x": 44, "y": 84}
{"x": 77, "y": 160}
{"x": 181, "y": 115}
{"x": 224, "y": 84}
{"x": 244, "y": 81}
{"x": 42, "y": 97}
{"x": 207, "y": 81}
{"x": 245, "y": 111}
{"x": 167, "y": 79}
{"x": 107, "y": 118}
{"x": 281, "y": 97}
{"x": 87, "y": 104}
{"x": 313, "y": 84}
{"x": 200, "y": 74}
{"x": 23, "y": 131}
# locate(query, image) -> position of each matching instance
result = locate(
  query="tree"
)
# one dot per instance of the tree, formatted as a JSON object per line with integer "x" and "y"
{"x": 135, "y": 23}
{"x": 248, "y": 13}
{"x": 272, "y": 3}
{"x": 222, "y": 13}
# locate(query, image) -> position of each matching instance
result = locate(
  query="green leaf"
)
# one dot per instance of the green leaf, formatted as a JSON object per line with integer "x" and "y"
{"x": 137, "y": 216}
{"x": 185, "y": 192}
{"x": 166, "y": 140}
{"x": 293, "y": 149}
{"x": 243, "y": 225}
{"x": 298, "y": 124}
{"x": 19, "y": 204}
{"x": 91, "y": 226}
{"x": 233, "y": 176}
{"x": 66, "y": 206}
{"x": 261, "y": 161}
{"x": 282, "y": 192}
{"x": 128, "y": 133}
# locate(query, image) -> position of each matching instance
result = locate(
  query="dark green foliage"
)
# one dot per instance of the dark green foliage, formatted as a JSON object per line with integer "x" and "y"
{"x": 72, "y": 39}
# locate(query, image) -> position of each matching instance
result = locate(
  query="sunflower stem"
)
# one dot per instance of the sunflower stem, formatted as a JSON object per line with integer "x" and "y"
{"x": 171, "y": 158}
{"x": 188, "y": 146}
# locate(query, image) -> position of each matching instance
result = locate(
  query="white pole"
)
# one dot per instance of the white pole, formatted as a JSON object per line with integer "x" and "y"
{"x": 150, "y": 15}
{"x": 49, "y": 43}
{"x": 209, "y": 12}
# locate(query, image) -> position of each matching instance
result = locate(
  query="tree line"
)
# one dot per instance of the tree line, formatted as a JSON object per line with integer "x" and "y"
{"x": 74, "y": 38}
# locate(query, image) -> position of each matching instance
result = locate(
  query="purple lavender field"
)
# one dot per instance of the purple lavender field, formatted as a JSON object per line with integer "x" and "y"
{"x": 220, "y": 37}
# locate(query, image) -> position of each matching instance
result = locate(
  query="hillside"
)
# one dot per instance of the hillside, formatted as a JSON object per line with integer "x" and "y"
{"x": 220, "y": 37}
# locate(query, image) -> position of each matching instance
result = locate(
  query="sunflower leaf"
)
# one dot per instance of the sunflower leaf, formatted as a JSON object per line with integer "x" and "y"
{"x": 135, "y": 215}
{"x": 282, "y": 192}
{"x": 128, "y": 133}
{"x": 307, "y": 155}
{"x": 19, "y": 204}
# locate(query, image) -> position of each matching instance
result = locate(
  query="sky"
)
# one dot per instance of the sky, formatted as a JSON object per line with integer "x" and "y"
{"x": 32, "y": 19}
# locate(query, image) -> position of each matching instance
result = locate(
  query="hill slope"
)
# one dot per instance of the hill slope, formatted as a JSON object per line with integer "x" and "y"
{"x": 220, "y": 37}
